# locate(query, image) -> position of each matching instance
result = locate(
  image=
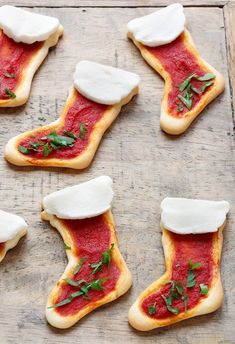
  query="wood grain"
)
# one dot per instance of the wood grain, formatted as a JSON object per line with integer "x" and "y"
{"x": 146, "y": 166}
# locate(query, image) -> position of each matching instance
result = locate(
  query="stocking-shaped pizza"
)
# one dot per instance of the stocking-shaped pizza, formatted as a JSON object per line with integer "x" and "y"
{"x": 190, "y": 82}
{"x": 12, "y": 228}
{"x": 192, "y": 241}
{"x": 96, "y": 272}
{"x": 94, "y": 102}
{"x": 25, "y": 38}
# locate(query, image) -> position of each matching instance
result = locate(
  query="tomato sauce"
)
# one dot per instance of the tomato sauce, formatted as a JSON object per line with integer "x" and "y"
{"x": 14, "y": 57}
{"x": 82, "y": 110}
{"x": 197, "y": 248}
{"x": 180, "y": 63}
{"x": 91, "y": 237}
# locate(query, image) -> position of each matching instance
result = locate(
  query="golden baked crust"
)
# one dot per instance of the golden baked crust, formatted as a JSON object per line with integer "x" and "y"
{"x": 138, "y": 319}
{"x": 172, "y": 124}
{"x": 123, "y": 284}
{"x": 11, "y": 243}
{"x": 23, "y": 89}
{"x": 84, "y": 159}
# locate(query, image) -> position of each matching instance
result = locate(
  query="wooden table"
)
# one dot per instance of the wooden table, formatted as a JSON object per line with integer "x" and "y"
{"x": 146, "y": 166}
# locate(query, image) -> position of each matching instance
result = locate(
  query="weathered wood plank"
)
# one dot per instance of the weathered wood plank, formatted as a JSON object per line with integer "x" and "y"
{"x": 112, "y": 3}
{"x": 146, "y": 166}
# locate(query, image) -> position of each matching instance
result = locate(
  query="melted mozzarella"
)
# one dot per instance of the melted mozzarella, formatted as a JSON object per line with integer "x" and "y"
{"x": 10, "y": 226}
{"x": 81, "y": 201}
{"x": 185, "y": 216}
{"x": 104, "y": 84}
{"x": 160, "y": 27}
{"x": 24, "y": 26}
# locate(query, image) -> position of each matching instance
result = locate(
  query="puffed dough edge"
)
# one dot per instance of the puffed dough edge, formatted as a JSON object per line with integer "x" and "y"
{"x": 212, "y": 302}
{"x": 23, "y": 90}
{"x": 84, "y": 159}
{"x": 12, "y": 243}
{"x": 177, "y": 125}
{"x": 123, "y": 284}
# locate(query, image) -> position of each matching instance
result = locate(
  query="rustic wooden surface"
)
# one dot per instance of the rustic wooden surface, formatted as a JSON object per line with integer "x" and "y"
{"x": 146, "y": 166}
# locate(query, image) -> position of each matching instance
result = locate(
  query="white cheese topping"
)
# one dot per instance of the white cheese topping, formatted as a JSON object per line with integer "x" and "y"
{"x": 104, "y": 84}
{"x": 160, "y": 27}
{"x": 81, "y": 201}
{"x": 185, "y": 216}
{"x": 24, "y": 26}
{"x": 10, "y": 226}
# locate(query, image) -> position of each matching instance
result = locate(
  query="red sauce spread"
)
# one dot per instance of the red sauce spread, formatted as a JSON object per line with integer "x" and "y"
{"x": 197, "y": 248}
{"x": 91, "y": 237}
{"x": 180, "y": 63}
{"x": 14, "y": 57}
{"x": 2, "y": 247}
{"x": 82, "y": 110}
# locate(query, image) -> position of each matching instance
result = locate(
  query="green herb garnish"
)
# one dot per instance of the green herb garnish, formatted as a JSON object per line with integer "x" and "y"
{"x": 59, "y": 140}
{"x": 206, "y": 85}
{"x": 106, "y": 259}
{"x": 152, "y": 309}
{"x": 185, "y": 299}
{"x": 68, "y": 133}
{"x": 83, "y": 130}
{"x": 68, "y": 300}
{"x": 195, "y": 90}
{"x": 79, "y": 265}
{"x": 186, "y": 82}
{"x": 10, "y": 93}
{"x": 47, "y": 150}
{"x": 194, "y": 265}
{"x": 179, "y": 107}
{"x": 191, "y": 279}
{"x": 206, "y": 77}
{"x": 168, "y": 303}
{"x": 204, "y": 289}
{"x": 9, "y": 75}
{"x": 67, "y": 247}
{"x": 35, "y": 145}
{"x": 179, "y": 288}
{"x": 74, "y": 283}
{"x": 23, "y": 150}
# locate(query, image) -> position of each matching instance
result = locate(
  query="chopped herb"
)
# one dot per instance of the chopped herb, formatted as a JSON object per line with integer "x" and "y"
{"x": 186, "y": 101}
{"x": 68, "y": 300}
{"x": 59, "y": 140}
{"x": 74, "y": 283}
{"x": 9, "y": 75}
{"x": 67, "y": 247}
{"x": 179, "y": 107}
{"x": 47, "y": 150}
{"x": 23, "y": 150}
{"x": 42, "y": 118}
{"x": 10, "y": 93}
{"x": 206, "y": 85}
{"x": 36, "y": 145}
{"x": 97, "y": 284}
{"x": 194, "y": 265}
{"x": 169, "y": 306}
{"x": 204, "y": 289}
{"x": 79, "y": 265}
{"x": 179, "y": 288}
{"x": 106, "y": 259}
{"x": 152, "y": 309}
{"x": 185, "y": 299}
{"x": 195, "y": 90}
{"x": 191, "y": 279}
{"x": 186, "y": 82}
{"x": 206, "y": 77}
{"x": 69, "y": 134}
{"x": 83, "y": 130}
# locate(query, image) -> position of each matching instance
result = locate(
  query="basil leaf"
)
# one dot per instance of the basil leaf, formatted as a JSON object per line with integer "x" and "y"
{"x": 169, "y": 307}
{"x": 46, "y": 150}
{"x": 204, "y": 289}
{"x": 179, "y": 107}
{"x": 67, "y": 247}
{"x": 186, "y": 101}
{"x": 35, "y": 145}
{"x": 69, "y": 134}
{"x": 106, "y": 259}
{"x": 79, "y": 265}
{"x": 97, "y": 267}
{"x": 194, "y": 265}
{"x": 186, "y": 82}
{"x": 206, "y": 77}
{"x": 68, "y": 300}
{"x": 195, "y": 90}
{"x": 23, "y": 150}
{"x": 10, "y": 93}
{"x": 59, "y": 140}
{"x": 179, "y": 288}
{"x": 83, "y": 130}
{"x": 74, "y": 283}
{"x": 152, "y": 309}
{"x": 9, "y": 75}
{"x": 191, "y": 279}
{"x": 206, "y": 85}
{"x": 97, "y": 284}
